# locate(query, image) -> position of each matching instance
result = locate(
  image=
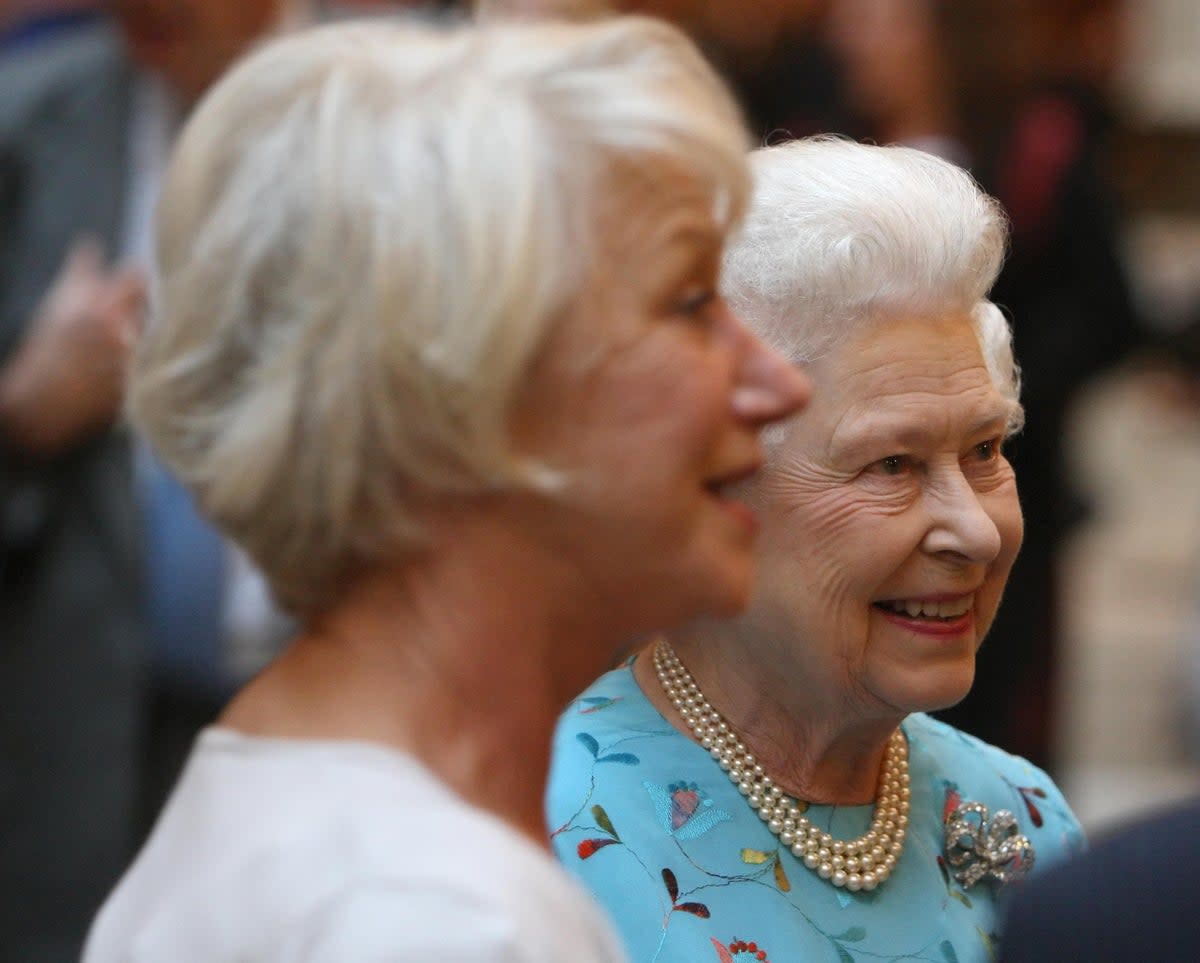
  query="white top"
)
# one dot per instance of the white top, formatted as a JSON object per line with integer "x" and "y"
{"x": 337, "y": 852}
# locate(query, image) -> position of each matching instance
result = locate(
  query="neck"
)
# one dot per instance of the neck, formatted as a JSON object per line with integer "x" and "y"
{"x": 811, "y": 752}
{"x": 463, "y": 659}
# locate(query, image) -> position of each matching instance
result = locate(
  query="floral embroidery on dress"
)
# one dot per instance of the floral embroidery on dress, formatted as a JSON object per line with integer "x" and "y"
{"x": 855, "y": 934}
{"x": 672, "y": 885}
{"x": 757, "y": 857}
{"x": 589, "y": 742}
{"x": 739, "y": 950}
{"x": 1027, "y": 792}
{"x": 589, "y": 847}
{"x": 651, "y": 824}
{"x": 684, "y": 810}
{"x": 596, "y": 703}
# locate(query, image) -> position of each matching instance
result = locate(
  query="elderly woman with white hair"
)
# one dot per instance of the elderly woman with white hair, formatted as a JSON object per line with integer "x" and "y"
{"x": 771, "y": 788}
{"x": 393, "y": 361}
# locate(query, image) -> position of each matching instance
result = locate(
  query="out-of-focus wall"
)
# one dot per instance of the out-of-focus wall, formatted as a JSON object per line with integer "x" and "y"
{"x": 1162, "y": 80}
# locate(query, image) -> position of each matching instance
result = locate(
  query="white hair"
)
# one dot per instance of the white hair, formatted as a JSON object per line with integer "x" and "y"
{"x": 366, "y": 234}
{"x": 839, "y": 234}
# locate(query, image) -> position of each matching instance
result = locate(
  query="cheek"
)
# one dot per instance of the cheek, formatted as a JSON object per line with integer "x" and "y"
{"x": 833, "y": 548}
{"x": 1004, "y": 508}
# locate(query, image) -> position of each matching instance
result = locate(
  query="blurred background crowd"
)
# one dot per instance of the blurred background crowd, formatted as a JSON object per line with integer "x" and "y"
{"x": 125, "y": 621}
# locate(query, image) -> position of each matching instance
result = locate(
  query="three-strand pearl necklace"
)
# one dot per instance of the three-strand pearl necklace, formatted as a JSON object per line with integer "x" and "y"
{"x": 856, "y": 864}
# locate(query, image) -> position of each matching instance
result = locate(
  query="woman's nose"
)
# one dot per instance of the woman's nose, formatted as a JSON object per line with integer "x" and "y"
{"x": 961, "y": 524}
{"x": 768, "y": 386}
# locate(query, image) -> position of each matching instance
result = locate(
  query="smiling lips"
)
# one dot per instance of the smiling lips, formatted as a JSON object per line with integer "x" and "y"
{"x": 943, "y": 617}
{"x": 930, "y": 608}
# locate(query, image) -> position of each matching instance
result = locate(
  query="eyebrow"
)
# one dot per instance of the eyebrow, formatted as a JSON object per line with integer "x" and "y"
{"x": 684, "y": 248}
{"x": 872, "y": 431}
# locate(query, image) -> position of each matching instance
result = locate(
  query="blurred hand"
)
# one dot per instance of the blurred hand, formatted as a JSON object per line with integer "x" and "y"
{"x": 66, "y": 380}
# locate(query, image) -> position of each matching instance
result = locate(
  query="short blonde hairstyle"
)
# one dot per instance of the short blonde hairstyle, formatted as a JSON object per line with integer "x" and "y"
{"x": 366, "y": 234}
{"x": 840, "y": 234}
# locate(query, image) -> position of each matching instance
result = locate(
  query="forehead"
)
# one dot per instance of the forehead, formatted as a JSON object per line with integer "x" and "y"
{"x": 655, "y": 206}
{"x": 911, "y": 380}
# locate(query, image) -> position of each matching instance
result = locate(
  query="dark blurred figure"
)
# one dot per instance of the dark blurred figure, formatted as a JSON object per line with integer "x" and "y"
{"x": 26, "y": 23}
{"x": 1018, "y": 92}
{"x": 1131, "y": 899}
{"x": 1068, "y": 295}
{"x": 773, "y": 55}
{"x": 85, "y": 115}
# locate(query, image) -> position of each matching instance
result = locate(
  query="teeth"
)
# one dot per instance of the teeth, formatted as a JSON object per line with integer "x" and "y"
{"x": 918, "y": 608}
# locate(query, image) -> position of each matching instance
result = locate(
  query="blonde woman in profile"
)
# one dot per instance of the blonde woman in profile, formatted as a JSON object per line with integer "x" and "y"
{"x": 440, "y": 346}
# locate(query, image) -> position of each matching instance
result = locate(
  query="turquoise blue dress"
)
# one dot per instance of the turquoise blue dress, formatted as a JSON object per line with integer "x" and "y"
{"x": 689, "y": 873}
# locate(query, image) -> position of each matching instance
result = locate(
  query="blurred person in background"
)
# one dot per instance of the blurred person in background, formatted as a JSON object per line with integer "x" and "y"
{"x": 773, "y": 54}
{"x": 1128, "y": 900}
{"x": 441, "y": 347}
{"x": 86, "y": 117}
{"x": 772, "y": 787}
{"x": 1019, "y": 94}
{"x": 25, "y": 23}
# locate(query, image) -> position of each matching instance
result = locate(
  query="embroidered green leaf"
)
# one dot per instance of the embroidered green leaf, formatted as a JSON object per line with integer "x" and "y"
{"x": 989, "y": 944}
{"x": 603, "y": 821}
{"x": 948, "y": 953}
{"x": 852, "y": 935}
{"x": 589, "y": 742}
{"x": 755, "y": 857}
{"x": 781, "y": 880}
{"x": 961, "y": 897}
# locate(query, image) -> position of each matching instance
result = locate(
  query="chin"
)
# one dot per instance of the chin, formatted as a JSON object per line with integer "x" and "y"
{"x": 937, "y": 689}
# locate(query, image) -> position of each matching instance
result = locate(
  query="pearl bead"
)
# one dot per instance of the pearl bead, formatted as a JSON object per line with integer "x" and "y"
{"x": 862, "y": 863}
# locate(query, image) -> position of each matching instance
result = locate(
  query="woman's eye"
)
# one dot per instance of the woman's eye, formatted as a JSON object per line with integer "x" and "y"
{"x": 988, "y": 450}
{"x": 893, "y": 464}
{"x": 698, "y": 305}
